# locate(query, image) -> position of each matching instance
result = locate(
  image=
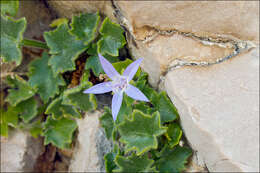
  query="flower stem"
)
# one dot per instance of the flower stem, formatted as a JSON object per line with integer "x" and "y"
{"x": 34, "y": 43}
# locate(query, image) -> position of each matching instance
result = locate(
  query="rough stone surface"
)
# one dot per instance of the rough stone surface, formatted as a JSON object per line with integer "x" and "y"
{"x": 19, "y": 152}
{"x": 219, "y": 111}
{"x": 70, "y": 8}
{"x": 204, "y": 18}
{"x": 38, "y": 18}
{"x": 89, "y": 151}
{"x": 164, "y": 50}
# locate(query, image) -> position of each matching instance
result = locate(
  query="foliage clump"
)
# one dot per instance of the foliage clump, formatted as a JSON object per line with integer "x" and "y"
{"x": 44, "y": 103}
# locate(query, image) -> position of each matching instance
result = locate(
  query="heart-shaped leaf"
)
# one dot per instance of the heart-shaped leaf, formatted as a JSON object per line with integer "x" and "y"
{"x": 141, "y": 132}
{"x": 75, "y": 97}
{"x": 11, "y": 38}
{"x": 20, "y": 90}
{"x": 173, "y": 160}
{"x": 64, "y": 47}
{"x": 134, "y": 163}
{"x": 43, "y": 79}
{"x": 59, "y": 132}
{"x": 84, "y": 27}
{"x": 112, "y": 38}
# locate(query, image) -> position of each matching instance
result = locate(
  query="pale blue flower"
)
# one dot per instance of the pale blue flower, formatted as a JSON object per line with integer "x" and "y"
{"x": 119, "y": 84}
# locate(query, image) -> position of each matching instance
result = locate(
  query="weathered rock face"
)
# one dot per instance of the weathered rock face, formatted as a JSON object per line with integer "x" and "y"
{"x": 168, "y": 34}
{"x": 218, "y": 94}
{"x": 69, "y": 8}
{"x": 19, "y": 152}
{"x": 219, "y": 111}
{"x": 203, "y": 18}
{"x": 89, "y": 152}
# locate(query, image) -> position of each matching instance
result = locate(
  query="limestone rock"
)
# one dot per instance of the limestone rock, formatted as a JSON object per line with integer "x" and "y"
{"x": 70, "y": 8}
{"x": 219, "y": 111}
{"x": 203, "y": 18}
{"x": 86, "y": 157}
{"x": 163, "y": 50}
{"x": 19, "y": 152}
{"x": 38, "y": 18}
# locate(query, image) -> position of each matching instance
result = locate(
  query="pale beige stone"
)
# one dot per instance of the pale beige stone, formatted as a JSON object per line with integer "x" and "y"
{"x": 89, "y": 151}
{"x": 85, "y": 158}
{"x": 19, "y": 152}
{"x": 163, "y": 50}
{"x": 232, "y": 19}
{"x": 70, "y": 8}
{"x": 219, "y": 111}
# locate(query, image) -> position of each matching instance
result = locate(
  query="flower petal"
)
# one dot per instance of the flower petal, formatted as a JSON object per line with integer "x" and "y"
{"x": 108, "y": 67}
{"x": 135, "y": 93}
{"x": 99, "y": 88}
{"x": 132, "y": 69}
{"x": 116, "y": 104}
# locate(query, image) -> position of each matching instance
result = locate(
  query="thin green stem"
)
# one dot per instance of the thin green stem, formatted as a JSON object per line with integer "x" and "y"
{"x": 34, "y": 43}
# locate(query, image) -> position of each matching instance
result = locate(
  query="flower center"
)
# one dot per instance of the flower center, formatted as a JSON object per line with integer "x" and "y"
{"x": 119, "y": 84}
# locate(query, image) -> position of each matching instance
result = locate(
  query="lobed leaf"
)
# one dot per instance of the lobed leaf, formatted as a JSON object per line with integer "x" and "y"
{"x": 75, "y": 97}
{"x": 173, "y": 134}
{"x": 11, "y": 38}
{"x": 42, "y": 78}
{"x": 166, "y": 109}
{"x": 110, "y": 162}
{"x": 134, "y": 163}
{"x": 64, "y": 47}
{"x": 27, "y": 109}
{"x": 20, "y": 90}
{"x": 112, "y": 38}
{"x": 84, "y": 27}
{"x": 58, "y": 110}
{"x": 141, "y": 132}
{"x": 173, "y": 160}
{"x": 59, "y": 132}
{"x": 9, "y": 7}
{"x": 94, "y": 64}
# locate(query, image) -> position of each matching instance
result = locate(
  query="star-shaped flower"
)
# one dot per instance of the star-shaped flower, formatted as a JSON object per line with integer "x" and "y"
{"x": 119, "y": 84}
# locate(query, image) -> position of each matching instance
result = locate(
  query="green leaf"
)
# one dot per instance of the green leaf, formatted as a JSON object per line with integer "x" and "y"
{"x": 77, "y": 98}
{"x": 142, "y": 106}
{"x": 20, "y": 91}
{"x": 173, "y": 160}
{"x": 107, "y": 122}
{"x": 11, "y": 37}
{"x": 84, "y": 27}
{"x": 42, "y": 78}
{"x": 10, "y": 117}
{"x": 110, "y": 162}
{"x": 27, "y": 109}
{"x": 173, "y": 134}
{"x": 121, "y": 66}
{"x": 9, "y": 7}
{"x": 59, "y": 132}
{"x": 112, "y": 38}
{"x": 166, "y": 109}
{"x": 94, "y": 64}
{"x": 58, "y": 110}
{"x": 58, "y": 22}
{"x": 140, "y": 133}
{"x": 64, "y": 47}
{"x": 134, "y": 163}
{"x": 36, "y": 129}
